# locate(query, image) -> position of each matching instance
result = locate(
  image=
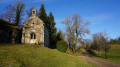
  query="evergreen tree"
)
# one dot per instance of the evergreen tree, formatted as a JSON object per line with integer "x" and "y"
{"x": 60, "y": 36}
{"x": 52, "y": 31}
{"x": 43, "y": 15}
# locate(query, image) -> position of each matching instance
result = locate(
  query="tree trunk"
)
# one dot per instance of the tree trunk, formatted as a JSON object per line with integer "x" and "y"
{"x": 105, "y": 54}
{"x": 14, "y": 34}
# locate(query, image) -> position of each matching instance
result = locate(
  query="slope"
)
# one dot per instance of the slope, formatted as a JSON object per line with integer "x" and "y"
{"x": 37, "y": 56}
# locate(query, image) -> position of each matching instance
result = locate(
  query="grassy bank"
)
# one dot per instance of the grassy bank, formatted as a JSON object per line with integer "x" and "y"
{"x": 113, "y": 53}
{"x": 38, "y": 56}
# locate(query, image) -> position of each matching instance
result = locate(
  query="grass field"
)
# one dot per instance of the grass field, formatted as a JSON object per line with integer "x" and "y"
{"x": 113, "y": 53}
{"x": 37, "y": 56}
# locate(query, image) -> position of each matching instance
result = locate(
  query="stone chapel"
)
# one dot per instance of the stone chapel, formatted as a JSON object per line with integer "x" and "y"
{"x": 34, "y": 31}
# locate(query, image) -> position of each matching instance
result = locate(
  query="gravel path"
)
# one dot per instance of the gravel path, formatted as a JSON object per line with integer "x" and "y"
{"x": 101, "y": 63}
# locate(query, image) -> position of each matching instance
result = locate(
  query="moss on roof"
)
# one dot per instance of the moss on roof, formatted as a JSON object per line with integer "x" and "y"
{"x": 4, "y": 25}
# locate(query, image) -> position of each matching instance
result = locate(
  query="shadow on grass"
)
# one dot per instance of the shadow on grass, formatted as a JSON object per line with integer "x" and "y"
{"x": 91, "y": 53}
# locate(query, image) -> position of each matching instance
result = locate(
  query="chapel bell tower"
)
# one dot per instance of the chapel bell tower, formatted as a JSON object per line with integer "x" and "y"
{"x": 33, "y": 11}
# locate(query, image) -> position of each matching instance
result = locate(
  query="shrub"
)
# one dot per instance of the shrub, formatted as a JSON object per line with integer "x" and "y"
{"x": 62, "y": 46}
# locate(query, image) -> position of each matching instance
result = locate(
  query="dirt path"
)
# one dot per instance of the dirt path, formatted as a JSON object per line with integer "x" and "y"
{"x": 101, "y": 63}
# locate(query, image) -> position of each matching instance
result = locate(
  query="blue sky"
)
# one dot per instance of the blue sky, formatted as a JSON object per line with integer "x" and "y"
{"x": 104, "y": 15}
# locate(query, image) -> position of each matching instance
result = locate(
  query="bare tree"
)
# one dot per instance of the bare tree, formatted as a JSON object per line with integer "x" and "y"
{"x": 87, "y": 43}
{"x": 29, "y": 12}
{"x": 8, "y": 14}
{"x": 76, "y": 29}
{"x": 14, "y": 13}
{"x": 100, "y": 42}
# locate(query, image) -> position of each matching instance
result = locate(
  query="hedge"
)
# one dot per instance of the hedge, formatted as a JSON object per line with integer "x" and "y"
{"x": 62, "y": 46}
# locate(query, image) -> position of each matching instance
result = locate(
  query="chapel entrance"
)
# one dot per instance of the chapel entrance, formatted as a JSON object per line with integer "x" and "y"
{"x": 32, "y": 38}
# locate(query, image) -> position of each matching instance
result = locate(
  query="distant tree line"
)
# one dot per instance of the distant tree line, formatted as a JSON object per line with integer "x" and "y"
{"x": 115, "y": 41}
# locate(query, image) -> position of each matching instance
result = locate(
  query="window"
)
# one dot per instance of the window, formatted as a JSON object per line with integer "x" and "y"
{"x": 33, "y": 36}
{"x": 33, "y": 12}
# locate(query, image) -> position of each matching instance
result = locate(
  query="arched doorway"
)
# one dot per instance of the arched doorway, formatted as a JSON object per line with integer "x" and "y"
{"x": 32, "y": 38}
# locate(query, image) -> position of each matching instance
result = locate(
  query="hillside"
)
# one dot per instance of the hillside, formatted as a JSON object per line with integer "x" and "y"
{"x": 113, "y": 53}
{"x": 38, "y": 56}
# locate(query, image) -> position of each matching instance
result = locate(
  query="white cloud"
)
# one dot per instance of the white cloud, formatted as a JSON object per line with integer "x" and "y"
{"x": 59, "y": 20}
{"x": 96, "y": 19}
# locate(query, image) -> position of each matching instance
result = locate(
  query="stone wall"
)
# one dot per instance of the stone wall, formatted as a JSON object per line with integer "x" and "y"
{"x": 33, "y": 25}
{"x": 46, "y": 37}
{"x": 9, "y": 33}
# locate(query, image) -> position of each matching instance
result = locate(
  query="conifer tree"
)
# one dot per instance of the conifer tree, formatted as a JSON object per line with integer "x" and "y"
{"x": 60, "y": 36}
{"x": 43, "y": 15}
{"x": 52, "y": 31}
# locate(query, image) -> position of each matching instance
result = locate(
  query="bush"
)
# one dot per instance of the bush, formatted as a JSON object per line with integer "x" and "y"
{"x": 62, "y": 46}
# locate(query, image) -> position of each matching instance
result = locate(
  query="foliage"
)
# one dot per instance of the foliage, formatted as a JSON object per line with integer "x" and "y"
{"x": 20, "y": 7}
{"x": 86, "y": 44}
{"x": 100, "y": 43}
{"x": 29, "y": 12}
{"x": 8, "y": 14}
{"x": 52, "y": 31}
{"x": 60, "y": 35}
{"x": 19, "y": 55}
{"x": 14, "y": 13}
{"x": 75, "y": 30}
{"x": 43, "y": 15}
{"x": 97, "y": 42}
{"x": 62, "y": 46}
{"x": 114, "y": 41}
{"x": 50, "y": 25}
{"x": 82, "y": 44}
{"x": 119, "y": 40}
{"x": 113, "y": 54}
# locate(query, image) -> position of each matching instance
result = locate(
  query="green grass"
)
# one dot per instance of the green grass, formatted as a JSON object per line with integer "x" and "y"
{"x": 113, "y": 53}
{"x": 37, "y": 56}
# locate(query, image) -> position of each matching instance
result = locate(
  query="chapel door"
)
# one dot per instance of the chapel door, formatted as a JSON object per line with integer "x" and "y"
{"x": 32, "y": 38}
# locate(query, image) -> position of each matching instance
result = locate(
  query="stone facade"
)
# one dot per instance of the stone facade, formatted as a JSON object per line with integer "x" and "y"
{"x": 34, "y": 31}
